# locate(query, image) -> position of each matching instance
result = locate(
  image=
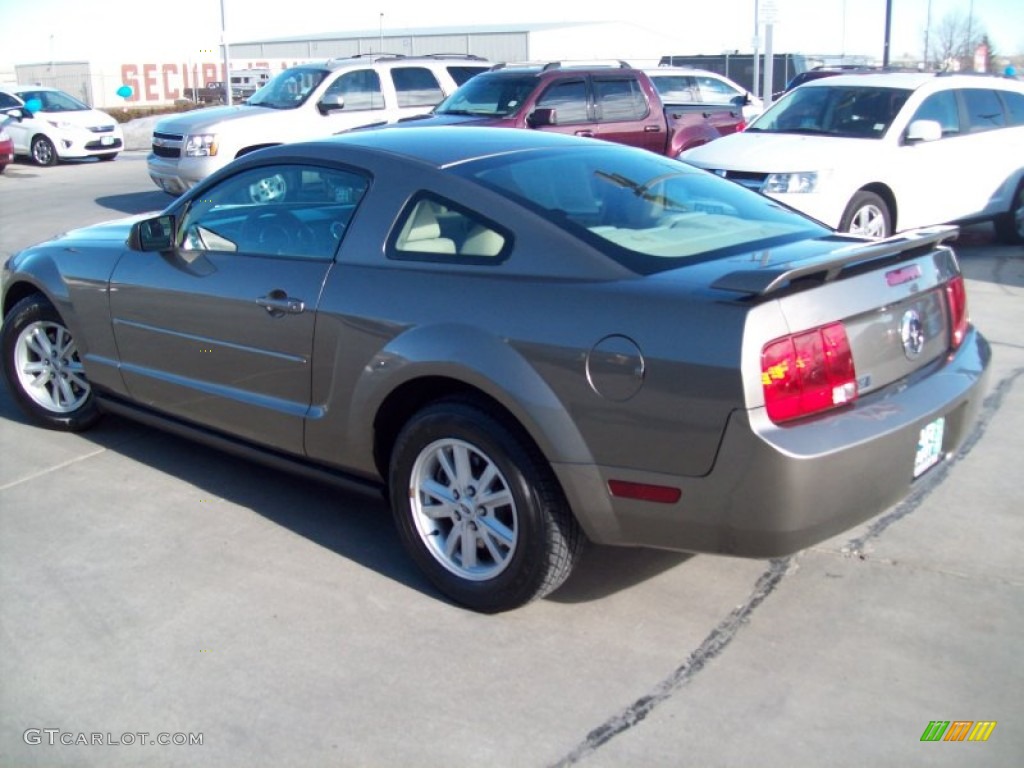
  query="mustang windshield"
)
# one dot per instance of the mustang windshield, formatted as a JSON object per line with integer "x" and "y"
{"x": 645, "y": 211}
{"x": 864, "y": 112}
{"x": 489, "y": 95}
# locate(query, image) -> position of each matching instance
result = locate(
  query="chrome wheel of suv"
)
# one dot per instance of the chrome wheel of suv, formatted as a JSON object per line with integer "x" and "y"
{"x": 867, "y": 215}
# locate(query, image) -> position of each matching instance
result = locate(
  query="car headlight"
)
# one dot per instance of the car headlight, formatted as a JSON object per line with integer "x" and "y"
{"x": 790, "y": 183}
{"x": 201, "y": 145}
{"x": 61, "y": 124}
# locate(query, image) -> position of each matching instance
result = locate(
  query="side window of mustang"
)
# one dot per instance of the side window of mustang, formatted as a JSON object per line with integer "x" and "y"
{"x": 434, "y": 229}
{"x": 292, "y": 211}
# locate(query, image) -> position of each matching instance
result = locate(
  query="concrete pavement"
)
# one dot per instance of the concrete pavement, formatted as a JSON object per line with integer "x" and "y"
{"x": 151, "y": 586}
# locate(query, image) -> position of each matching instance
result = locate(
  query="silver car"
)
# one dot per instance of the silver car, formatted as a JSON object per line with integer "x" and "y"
{"x": 524, "y": 340}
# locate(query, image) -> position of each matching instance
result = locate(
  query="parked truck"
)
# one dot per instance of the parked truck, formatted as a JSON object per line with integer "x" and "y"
{"x": 616, "y": 103}
{"x": 309, "y": 101}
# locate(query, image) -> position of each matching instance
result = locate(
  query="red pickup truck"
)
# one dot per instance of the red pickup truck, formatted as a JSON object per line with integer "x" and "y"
{"x": 617, "y": 104}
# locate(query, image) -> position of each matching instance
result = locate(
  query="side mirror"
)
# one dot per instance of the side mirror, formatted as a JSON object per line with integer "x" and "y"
{"x": 542, "y": 116}
{"x": 741, "y": 100}
{"x": 156, "y": 234}
{"x": 18, "y": 113}
{"x": 331, "y": 102}
{"x": 924, "y": 130}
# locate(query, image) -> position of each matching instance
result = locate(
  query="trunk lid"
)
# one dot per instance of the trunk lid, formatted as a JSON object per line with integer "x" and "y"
{"x": 900, "y": 302}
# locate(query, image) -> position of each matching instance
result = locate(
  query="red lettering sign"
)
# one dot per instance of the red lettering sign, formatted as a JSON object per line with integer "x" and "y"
{"x": 130, "y": 77}
{"x": 149, "y": 80}
{"x": 170, "y": 91}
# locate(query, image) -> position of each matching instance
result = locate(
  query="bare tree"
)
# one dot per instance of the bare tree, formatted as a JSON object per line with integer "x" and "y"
{"x": 955, "y": 39}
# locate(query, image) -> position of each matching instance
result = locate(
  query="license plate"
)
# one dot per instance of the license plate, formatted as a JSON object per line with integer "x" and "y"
{"x": 106, "y": 141}
{"x": 929, "y": 446}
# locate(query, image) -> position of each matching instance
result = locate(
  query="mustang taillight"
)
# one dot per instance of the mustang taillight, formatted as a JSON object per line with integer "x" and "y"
{"x": 956, "y": 297}
{"x": 807, "y": 373}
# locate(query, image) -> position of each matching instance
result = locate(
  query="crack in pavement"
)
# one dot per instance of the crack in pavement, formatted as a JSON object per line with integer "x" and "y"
{"x": 723, "y": 634}
{"x": 712, "y": 646}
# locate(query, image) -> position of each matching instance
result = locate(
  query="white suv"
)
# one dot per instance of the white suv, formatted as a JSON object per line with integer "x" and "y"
{"x": 60, "y": 127}
{"x": 305, "y": 102}
{"x": 873, "y": 154}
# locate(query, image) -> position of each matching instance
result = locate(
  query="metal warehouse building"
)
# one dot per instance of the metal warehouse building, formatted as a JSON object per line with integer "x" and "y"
{"x": 530, "y": 42}
{"x": 165, "y": 78}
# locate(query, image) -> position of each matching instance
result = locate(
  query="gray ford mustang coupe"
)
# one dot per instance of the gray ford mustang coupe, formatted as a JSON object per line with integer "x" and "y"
{"x": 525, "y": 340}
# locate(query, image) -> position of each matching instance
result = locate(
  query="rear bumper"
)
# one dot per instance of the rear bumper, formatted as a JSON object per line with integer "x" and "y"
{"x": 775, "y": 490}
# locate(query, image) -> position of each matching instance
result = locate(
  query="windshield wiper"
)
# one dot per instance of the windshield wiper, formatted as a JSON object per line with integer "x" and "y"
{"x": 807, "y": 131}
{"x": 464, "y": 113}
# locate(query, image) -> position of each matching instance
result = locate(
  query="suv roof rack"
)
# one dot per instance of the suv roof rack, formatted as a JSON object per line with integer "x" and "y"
{"x": 545, "y": 66}
{"x": 375, "y": 56}
{"x": 467, "y": 56}
{"x": 619, "y": 63}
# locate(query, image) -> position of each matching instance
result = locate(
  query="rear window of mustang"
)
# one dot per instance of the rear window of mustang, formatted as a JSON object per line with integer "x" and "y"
{"x": 647, "y": 212}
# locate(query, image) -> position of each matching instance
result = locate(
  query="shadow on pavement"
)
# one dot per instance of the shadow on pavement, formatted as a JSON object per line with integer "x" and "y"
{"x": 136, "y": 202}
{"x": 603, "y": 571}
{"x": 356, "y": 527}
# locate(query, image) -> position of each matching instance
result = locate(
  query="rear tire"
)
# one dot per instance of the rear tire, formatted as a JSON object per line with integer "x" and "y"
{"x": 43, "y": 367}
{"x": 867, "y": 214}
{"x": 479, "y": 509}
{"x": 1010, "y": 225}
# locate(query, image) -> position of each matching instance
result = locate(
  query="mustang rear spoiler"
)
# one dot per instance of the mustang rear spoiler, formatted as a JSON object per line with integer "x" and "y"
{"x": 761, "y": 282}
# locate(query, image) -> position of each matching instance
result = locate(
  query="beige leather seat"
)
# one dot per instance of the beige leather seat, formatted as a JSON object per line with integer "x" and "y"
{"x": 422, "y": 232}
{"x": 482, "y": 241}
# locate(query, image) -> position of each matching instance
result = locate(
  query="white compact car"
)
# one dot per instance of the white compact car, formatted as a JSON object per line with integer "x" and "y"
{"x": 879, "y": 153}
{"x": 61, "y": 127}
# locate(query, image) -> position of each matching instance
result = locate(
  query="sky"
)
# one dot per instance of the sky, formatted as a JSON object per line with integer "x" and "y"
{"x": 74, "y": 30}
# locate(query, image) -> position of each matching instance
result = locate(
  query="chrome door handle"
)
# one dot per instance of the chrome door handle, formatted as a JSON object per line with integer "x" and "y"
{"x": 278, "y": 303}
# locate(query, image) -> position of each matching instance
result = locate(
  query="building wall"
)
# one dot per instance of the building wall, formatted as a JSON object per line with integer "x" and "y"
{"x": 495, "y": 46}
{"x": 73, "y": 77}
{"x": 161, "y": 80}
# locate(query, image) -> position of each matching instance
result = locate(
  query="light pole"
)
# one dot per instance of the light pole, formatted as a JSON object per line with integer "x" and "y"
{"x": 927, "y": 32}
{"x": 757, "y": 57}
{"x": 227, "y": 58}
{"x": 888, "y": 30}
{"x": 381, "y": 43}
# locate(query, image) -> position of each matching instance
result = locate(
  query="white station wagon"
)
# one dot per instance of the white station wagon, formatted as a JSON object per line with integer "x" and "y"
{"x": 879, "y": 153}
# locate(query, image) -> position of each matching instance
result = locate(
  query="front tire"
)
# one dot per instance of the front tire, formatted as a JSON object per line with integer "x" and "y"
{"x": 108, "y": 156}
{"x": 1010, "y": 225}
{"x": 43, "y": 151}
{"x": 478, "y": 508}
{"x": 867, "y": 214}
{"x": 43, "y": 367}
